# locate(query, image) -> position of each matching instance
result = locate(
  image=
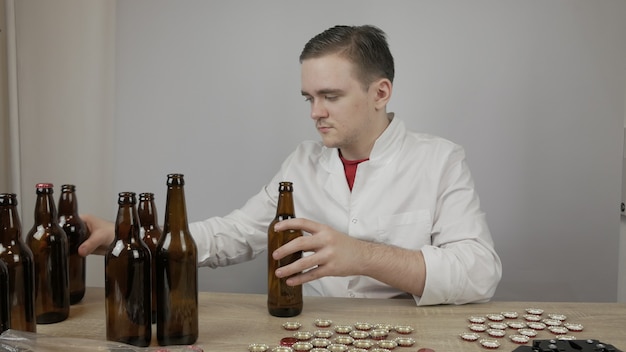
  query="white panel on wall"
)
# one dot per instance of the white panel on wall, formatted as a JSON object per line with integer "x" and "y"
{"x": 533, "y": 90}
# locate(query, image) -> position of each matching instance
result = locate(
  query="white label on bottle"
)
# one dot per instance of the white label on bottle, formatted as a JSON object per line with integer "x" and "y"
{"x": 119, "y": 245}
{"x": 62, "y": 220}
{"x": 40, "y": 231}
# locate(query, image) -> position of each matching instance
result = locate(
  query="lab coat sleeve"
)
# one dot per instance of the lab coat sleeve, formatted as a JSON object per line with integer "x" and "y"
{"x": 461, "y": 264}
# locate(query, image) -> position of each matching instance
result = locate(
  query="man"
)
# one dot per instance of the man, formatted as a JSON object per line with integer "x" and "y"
{"x": 388, "y": 211}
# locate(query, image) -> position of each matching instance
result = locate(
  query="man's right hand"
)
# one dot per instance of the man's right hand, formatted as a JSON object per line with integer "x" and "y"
{"x": 102, "y": 234}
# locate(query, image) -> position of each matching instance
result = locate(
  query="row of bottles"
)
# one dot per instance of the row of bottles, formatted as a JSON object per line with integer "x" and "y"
{"x": 152, "y": 275}
{"x": 45, "y": 272}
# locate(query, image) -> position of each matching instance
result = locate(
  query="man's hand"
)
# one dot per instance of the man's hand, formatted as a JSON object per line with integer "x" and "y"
{"x": 102, "y": 234}
{"x": 337, "y": 254}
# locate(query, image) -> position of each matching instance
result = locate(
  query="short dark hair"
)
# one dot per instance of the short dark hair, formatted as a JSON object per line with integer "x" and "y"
{"x": 365, "y": 46}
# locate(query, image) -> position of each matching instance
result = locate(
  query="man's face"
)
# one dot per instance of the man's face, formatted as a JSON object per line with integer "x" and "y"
{"x": 343, "y": 111}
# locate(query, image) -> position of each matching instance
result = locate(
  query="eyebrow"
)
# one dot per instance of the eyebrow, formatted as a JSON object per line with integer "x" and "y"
{"x": 324, "y": 92}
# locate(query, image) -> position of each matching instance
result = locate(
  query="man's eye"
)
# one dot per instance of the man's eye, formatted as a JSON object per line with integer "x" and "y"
{"x": 309, "y": 99}
{"x": 331, "y": 97}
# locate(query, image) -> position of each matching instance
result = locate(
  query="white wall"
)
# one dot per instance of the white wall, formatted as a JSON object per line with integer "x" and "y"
{"x": 534, "y": 90}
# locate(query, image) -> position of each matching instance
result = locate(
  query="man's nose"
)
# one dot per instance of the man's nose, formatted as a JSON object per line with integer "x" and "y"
{"x": 318, "y": 110}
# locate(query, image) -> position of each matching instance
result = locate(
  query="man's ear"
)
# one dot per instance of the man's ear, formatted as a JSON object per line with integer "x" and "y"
{"x": 382, "y": 89}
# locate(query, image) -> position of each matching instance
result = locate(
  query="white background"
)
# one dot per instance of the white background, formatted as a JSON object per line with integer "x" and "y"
{"x": 534, "y": 91}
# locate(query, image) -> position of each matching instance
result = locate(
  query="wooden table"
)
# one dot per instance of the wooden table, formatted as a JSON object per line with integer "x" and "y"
{"x": 230, "y": 322}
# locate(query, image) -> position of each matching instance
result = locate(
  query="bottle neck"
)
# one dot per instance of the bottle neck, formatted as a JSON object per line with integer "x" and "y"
{"x": 127, "y": 224}
{"x": 67, "y": 204}
{"x": 147, "y": 213}
{"x": 45, "y": 210}
{"x": 285, "y": 206}
{"x": 10, "y": 225}
{"x": 175, "y": 210}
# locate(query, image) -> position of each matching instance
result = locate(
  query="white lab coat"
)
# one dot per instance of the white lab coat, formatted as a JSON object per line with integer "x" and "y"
{"x": 415, "y": 191}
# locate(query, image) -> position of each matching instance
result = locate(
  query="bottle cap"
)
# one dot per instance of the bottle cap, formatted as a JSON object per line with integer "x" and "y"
{"x": 534, "y": 311}
{"x": 379, "y": 334}
{"x": 343, "y": 340}
{"x": 291, "y": 325}
{"x": 517, "y": 324}
{"x": 573, "y": 326}
{"x": 343, "y": 329}
{"x": 387, "y": 344}
{"x": 552, "y": 322}
{"x": 521, "y": 339}
{"x": 302, "y": 346}
{"x": 495, "y": 317}
{"x": 365, "y": 344}
{"x": 496, "y": 332}
{"x": 282, "y": 349}
{"x": 303, "y": 335}
{"x": 320, "y": 342}
{"x": 359, "y": 334}
{"x": 510, "y": 315}
{"x": 535, "y": 325}
{"x": 323, "y": 333}
{"x": 469, "y": 336}
{"x": 558, "y": 330}
{"x": 335, "y": 347}
{"x": 363, "y": 326}
{"x": 566, "y": 337}
{"x": 425, "y": 350}
{"x": 499, "y": 326}
{"x": 323, "y": 323}
{"x": 258, "y": 347}
{"x": 560, "y": 317}
{"x": 44, "y": 185}
{"x": 527, "y": 332}
{"x": 404, "y": 329}
{"x": 477, "y": 319}
{"x": 532, "y": 317}
{"x": 489, "y": 343}
{"x": 288, "y": 341}
{"x": 405, "y": 341}
{"x": 478, "y": 327}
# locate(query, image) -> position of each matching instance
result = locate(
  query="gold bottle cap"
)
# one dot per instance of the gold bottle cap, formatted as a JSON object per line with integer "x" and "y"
{"x": 527, "y": 332}
{"x": 498, "y": 326}
{"x": 323, "y": 323}
{"x": 574, "y": 326}
{"x": 323, "y": 333}
{"x": 282, "y": 349}
{"x": 343, "y": 329}
{"x": 406, "y": 341}
{"x": 510, "y": 315}
{"x": 516, "y": 324}
{"x": 496, "y": 332}
{"x": 320, "y": 342}
{"x": 258, "y": 347}
{"x": 495, "y": 317}
{"x": 521, "y": 339}
{"x": 536, "y": 325}
{"x": 302, "y": 346}
{"x": 469, "y": 336}
{"x": 404, "y": 329}
{"x": 359, "y": 334}
{"x": 558, "y": 330}
{"x": 343, "y": 340}
{"x": 291, "y": 325}
{"x": 478, "y": 327}
{"x": 489, "y": 343}
{"x": 303, "y": 335}
{"x": 365, "y": 344}
{"x": 560, "y": 317}
{"x": 363, "y": 326}
{"x": 379, "y": 334}
{"x": 534, "y": 311}
{"x": 475, "y": 319}
{"x": 388, "y": 344}
{"x": 336, "y": 347}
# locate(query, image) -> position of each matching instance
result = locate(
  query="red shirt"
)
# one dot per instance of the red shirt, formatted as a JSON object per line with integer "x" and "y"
{"x": 349, "y": 167}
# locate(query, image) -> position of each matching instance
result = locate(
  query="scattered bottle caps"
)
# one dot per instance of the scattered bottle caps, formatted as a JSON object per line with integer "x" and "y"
{"x": 291, "y": 325}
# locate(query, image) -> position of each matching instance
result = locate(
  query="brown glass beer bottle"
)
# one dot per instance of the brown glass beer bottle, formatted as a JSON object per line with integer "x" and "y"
{"x": 19, "y": 259}
{"x": 127, "y": 285}
{"x": 150, "y": 233}
{"x": 282, "y": 300}
{"x": 5, "y": 306}
{"x": 76, "y": 232}
{"x": 50, "y": 248}
{"x": 176, "y": 272}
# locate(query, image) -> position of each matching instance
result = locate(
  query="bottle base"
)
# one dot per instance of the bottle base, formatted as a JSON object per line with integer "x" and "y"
{"x": 177, "y": 340}
{"x": 76, "y": 297}
{"x": 285, "y": 312}
{"x": 52, "y": 317}
{"x": 139, "y": 341}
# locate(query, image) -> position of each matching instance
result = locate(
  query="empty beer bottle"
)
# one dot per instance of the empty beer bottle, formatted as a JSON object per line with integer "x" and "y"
{"x": 5, "y": 306}
{"x": 19, "y": 259}
{"x": 150, "y": 233}
{"x": 127, "y": 283}
{"x": 50, "y": 248}
{"x": 177, "y": 272}
{"x": 76, "y": 232}
{"x": 282, "y": 300}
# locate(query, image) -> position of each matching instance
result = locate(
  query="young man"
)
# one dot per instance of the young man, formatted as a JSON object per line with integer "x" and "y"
{"x": 387, "y": 211}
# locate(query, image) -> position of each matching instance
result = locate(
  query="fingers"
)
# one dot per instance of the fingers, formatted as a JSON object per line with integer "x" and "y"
{"x": 102, "y": 233}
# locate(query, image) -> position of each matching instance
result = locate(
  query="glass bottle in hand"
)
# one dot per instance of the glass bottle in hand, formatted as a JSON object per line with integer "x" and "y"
{"x": 282, "y": 300}
{"x": 127, "y": 282}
